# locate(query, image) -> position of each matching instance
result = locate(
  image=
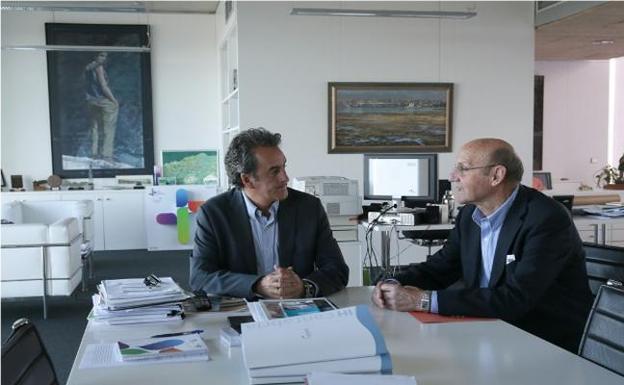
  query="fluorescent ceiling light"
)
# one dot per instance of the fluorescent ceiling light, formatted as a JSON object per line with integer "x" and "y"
{"x": 602, "y": 42}
{"x": 76, "y": 48}
{"x": 382, "y": 13}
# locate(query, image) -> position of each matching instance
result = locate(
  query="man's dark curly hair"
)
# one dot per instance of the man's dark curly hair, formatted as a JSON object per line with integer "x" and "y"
{"x": 240, "y": 157}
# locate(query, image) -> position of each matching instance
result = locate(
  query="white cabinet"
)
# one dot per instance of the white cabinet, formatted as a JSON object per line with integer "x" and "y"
{"x": 616, "y": 234}
{"x": 124, "y": 226}
{"x": 601, "y": 231}
{"x": 591, "y": 233}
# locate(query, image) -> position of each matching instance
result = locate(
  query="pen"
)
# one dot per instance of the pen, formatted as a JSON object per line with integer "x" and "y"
{"x": 178, "y": 333}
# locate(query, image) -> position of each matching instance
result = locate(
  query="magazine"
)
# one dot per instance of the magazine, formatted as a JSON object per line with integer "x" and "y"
{"x": 268, "y": 309}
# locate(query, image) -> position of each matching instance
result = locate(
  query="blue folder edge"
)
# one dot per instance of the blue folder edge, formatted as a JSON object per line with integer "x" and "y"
{"x": 365, "y": 317}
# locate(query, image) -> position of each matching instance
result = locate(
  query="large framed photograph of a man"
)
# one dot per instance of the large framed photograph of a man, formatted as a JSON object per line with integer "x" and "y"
{"x": 99, "y": 83}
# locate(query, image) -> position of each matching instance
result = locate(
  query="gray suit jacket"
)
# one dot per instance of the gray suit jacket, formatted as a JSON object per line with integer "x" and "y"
{"x": 224, "y": 258}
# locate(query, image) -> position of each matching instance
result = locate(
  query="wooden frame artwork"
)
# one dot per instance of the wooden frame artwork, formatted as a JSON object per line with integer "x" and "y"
{"x": 542, "y": 180}
{"x": 100, "y": 100}
{"x": 390, "y": 117}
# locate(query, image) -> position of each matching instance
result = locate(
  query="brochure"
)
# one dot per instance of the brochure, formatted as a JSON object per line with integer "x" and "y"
{"x": 270, "y": 309}
{"x": 158, "y": 348}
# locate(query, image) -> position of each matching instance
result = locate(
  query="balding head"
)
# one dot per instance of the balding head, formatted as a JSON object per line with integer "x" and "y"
{"x": 497, "y": 151}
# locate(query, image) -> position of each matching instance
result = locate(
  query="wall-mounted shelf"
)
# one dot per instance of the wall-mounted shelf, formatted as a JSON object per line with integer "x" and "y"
{"x": 233, "y": 94}
{"x": 228, "y": 77}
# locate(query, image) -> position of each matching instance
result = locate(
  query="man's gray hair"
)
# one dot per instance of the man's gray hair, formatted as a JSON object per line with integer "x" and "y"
{"x": 240, "y": 157}
{"x": 506, "y": 156}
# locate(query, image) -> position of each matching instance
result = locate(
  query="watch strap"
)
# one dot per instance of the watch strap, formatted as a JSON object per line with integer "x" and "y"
{"x": 310, "y": 290}
{"x": 425, "y": 301}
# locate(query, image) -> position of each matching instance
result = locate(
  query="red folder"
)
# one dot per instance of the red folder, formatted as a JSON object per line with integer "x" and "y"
{"x": 431, "y": 318}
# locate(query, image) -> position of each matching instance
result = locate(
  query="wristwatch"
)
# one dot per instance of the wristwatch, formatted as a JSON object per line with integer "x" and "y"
{"x": 309, "y": 289}
{"x": 425, "y": 301}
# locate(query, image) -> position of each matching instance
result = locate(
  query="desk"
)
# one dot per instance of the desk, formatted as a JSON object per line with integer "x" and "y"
{"x": 479, "y": 353}
{"x": 385, "y": 230}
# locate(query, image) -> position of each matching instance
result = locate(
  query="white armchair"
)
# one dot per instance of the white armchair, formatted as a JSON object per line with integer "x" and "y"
{"x": 41, "y": 248}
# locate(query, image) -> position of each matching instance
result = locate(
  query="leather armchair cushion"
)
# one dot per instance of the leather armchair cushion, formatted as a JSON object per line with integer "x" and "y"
{"x": 24, "y": 234}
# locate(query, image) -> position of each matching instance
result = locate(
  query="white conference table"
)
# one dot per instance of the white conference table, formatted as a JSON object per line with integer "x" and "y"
{"x": 475, "y": 353}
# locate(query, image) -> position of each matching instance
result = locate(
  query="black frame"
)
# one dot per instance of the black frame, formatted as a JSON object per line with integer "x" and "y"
{"x": 375, "y": 129}
{"x": 538, "y": 120}
{"x": 432, "y": 182}
{"x": 544, "y": 177}
{"x": 133, "y": 146}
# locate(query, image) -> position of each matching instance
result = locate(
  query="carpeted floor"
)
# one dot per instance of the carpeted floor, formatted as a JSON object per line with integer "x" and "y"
{"x": 62, "y": 331}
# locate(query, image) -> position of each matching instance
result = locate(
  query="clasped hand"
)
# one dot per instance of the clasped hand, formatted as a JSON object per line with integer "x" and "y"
{"x": 395, "y": 296}
{"x": 281, "y": 283}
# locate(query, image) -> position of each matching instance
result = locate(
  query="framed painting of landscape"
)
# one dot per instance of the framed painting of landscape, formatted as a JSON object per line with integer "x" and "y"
{"x": 390, "y": 117}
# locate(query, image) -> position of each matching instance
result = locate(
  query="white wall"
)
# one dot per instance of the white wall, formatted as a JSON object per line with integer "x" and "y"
{"x": 576, "y": 95}
{"x": 184, "y": 85}
{"x": 286, "y": 61}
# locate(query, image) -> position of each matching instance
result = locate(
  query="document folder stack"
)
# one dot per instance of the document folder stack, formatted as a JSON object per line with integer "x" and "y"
{"x": 340, "y": 341}
{"x": 126, "y": 301}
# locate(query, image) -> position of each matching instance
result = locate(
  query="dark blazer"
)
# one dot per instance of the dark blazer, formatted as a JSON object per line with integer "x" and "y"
{"x": 224, "y": 258}
{"x": 545, "y": 291}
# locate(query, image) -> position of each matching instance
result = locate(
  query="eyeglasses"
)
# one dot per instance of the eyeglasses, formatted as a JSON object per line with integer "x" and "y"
{"x": 460, "y": 169}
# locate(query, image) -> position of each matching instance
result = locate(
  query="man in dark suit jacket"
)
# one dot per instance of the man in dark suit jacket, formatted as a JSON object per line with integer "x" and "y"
{"x": 262, "y": 238}
{"x": 516, "y": 250}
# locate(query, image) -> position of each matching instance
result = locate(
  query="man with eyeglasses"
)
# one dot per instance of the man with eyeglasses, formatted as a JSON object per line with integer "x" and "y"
{"x": 515, "y": 252}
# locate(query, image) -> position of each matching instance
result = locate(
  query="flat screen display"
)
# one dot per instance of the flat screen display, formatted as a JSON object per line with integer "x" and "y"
{"x": 413, "y": 177}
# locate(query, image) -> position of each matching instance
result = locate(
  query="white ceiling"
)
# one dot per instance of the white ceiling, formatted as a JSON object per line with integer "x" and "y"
{"x": 564, "y": 30}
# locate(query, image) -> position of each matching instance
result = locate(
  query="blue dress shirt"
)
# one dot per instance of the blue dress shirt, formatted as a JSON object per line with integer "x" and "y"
{"x": 491, "y": 226}
{"x": 265, "y": 231}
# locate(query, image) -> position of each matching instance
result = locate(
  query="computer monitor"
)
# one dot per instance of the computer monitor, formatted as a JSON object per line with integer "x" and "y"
{"x": 413, "y": 177}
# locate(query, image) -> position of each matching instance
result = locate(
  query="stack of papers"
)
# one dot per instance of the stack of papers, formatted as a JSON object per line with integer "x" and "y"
{"x": 339, "y": 341}
{"x": 166, "y": 348}
{"x": 128, "y": 293}
{"x": 144, "y": 314}
{"x": 130, "y": 301}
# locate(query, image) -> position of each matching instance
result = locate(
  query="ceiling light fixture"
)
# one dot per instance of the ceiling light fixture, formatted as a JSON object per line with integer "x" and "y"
{"x": 382, "y": 13}
{"x": 602, "y": 42}
{"x": 75, "y": 48}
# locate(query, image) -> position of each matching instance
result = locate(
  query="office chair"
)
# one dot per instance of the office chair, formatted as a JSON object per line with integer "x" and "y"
{"x": 25, "y": 360}
{"x": 603, "y": 263}
{"x": 566, "y": 200}
{"x": 603, "y": 338}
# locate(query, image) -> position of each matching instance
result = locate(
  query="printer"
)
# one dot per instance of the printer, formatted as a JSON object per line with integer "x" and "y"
{"x": 341, "y": 200}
